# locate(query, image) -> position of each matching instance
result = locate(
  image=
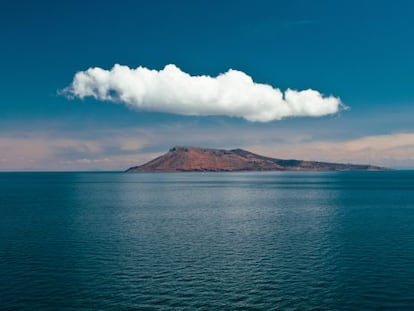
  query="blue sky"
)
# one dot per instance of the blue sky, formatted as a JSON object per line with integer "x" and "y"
{"x": 359, "y": 51}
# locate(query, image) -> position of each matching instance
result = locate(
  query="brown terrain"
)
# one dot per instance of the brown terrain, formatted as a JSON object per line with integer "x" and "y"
{"x": 190, "y": 159}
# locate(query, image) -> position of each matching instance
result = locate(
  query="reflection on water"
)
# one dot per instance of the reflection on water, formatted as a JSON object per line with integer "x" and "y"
{"x": 338, "y": 240}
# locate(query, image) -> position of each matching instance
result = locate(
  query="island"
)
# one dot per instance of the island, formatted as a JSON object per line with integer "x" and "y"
{"x": 197, "y": 159}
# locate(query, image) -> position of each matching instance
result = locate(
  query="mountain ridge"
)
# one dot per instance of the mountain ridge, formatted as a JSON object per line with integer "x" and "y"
{"x": 196, "y": 159}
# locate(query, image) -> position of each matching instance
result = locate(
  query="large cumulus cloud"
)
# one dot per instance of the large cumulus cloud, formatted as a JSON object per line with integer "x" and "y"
{"x": 171, "y": 90}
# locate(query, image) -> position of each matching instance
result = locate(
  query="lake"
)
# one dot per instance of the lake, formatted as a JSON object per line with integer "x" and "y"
{"x": 207, "y": 241}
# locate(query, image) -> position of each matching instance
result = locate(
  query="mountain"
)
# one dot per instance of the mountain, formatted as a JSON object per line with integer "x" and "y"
{"x": 189, "y": 159}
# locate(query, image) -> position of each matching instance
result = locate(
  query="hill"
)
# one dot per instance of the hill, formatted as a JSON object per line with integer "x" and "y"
{"x": 190, "y": 159}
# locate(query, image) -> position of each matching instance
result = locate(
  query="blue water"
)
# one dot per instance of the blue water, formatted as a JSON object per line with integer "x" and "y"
{"x": 207, "y": 241}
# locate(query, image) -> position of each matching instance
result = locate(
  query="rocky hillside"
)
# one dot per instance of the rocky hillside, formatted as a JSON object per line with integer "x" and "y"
{"x": 188, "y": 159}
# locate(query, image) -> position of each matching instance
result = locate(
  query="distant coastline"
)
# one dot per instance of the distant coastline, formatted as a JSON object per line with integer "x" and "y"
{"x": 198, "y": 159}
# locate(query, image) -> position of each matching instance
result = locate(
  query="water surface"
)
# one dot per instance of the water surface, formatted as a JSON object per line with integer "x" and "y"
{"x": 208, "y": 241}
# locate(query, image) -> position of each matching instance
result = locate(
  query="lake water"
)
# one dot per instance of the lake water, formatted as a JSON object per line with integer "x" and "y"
{"x": 207, "y": 241}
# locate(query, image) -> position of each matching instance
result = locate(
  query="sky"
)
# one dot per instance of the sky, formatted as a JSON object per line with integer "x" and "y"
{"x": 105, "y": 85}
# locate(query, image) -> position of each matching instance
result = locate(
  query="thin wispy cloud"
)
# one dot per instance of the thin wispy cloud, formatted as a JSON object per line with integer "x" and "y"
{"x": 122, "y": 149}
{"x": 392, "y": 150}
{"x": 302, "y": 22}
{"x": 170, "y": 90}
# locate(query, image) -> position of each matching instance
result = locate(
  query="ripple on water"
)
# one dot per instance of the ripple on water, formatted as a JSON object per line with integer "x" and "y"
{"x": 260, "y": 241}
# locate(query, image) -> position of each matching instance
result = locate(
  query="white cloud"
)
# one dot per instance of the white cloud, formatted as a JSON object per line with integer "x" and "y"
{"x": 171, "y": 90}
